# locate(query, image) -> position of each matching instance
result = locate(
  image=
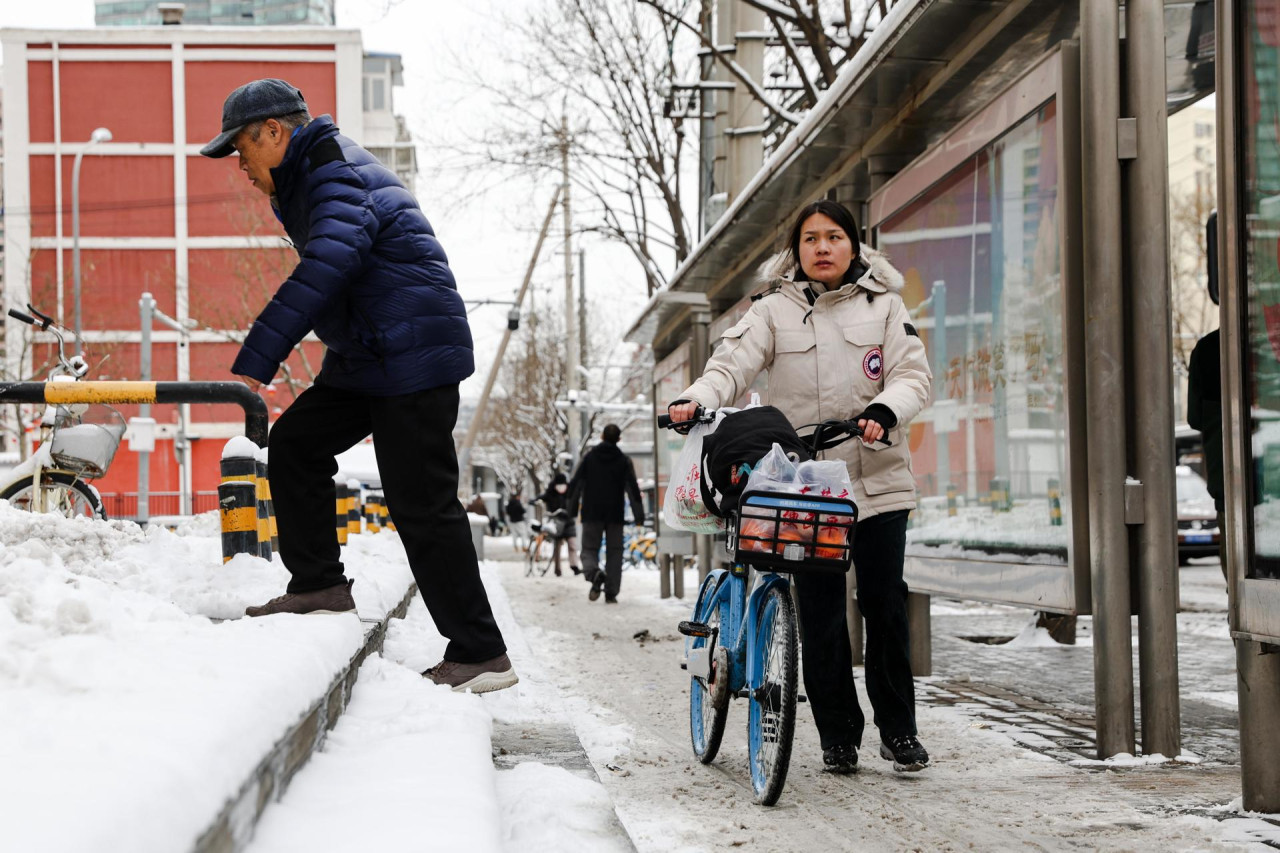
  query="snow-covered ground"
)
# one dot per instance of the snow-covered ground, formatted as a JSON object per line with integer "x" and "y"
{"x": 133, "y": 702}
{"x": 986, "y": 790}
{"x": 128, "y": 712}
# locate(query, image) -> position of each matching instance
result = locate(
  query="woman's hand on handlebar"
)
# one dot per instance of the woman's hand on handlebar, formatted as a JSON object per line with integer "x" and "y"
{"x": 871, "y": 430}
{"x": 682, "y": 411}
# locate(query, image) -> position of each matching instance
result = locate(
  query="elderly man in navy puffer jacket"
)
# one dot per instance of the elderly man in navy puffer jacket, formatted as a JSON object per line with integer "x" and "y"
{"x": 373, "y": 283}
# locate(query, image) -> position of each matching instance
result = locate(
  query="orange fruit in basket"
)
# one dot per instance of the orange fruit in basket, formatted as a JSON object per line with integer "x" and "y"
{"x": 761, "y": 527}
{"x": 795, "y": 533}
{"x": 832, "y": 536}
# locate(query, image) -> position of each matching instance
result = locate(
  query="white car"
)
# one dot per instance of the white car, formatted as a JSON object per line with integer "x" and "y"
{"x": 1198, "y": 534}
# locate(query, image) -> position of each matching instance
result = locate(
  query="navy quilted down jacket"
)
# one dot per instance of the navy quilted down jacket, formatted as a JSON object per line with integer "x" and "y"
{"x": 372, "y": 280}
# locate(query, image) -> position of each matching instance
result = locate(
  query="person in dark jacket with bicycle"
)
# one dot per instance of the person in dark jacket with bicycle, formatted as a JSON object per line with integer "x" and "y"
{"x": 373, "y": 284}
{"x": 556, "y": 500}
{"x": 605, "y": 476}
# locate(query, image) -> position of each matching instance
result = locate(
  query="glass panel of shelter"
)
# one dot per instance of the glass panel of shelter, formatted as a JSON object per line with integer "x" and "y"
{"x": 1259, "y": 184}
{"x": 982, "y": 259}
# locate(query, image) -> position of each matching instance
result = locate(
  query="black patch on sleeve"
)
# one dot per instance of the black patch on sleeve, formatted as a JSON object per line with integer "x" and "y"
{"x": 911, "y": 330}
{"x": 324, "y": 151}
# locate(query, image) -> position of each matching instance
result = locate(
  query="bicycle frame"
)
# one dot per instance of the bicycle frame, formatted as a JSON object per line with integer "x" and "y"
{"x": 739, "y": 617}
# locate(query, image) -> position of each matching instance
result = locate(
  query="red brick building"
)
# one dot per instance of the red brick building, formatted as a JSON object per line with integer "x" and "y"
{"x": 154, "y": 215}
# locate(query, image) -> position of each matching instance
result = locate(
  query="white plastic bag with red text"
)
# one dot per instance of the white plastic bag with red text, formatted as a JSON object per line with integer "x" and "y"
{"x": 683, "y": 507}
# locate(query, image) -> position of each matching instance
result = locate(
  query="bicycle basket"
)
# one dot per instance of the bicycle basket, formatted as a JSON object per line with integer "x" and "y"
{"x": 86, "y": 445}
{"x": 794, "y": 533}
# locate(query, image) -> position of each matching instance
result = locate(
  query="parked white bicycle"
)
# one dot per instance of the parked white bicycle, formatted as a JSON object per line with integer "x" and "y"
{"x": 77, "y": 443}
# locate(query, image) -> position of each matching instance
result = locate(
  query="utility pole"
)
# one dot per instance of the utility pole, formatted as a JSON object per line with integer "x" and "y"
{"x": 570, "y": 326}
{"x": 584, "y": 416}
{"x": 477, "y": 419}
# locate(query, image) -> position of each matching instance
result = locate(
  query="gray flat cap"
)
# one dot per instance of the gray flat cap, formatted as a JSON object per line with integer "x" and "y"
{"x": 261, "y": 99}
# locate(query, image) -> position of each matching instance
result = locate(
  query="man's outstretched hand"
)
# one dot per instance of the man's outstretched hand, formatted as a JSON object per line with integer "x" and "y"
{"x": 253, "y": 384}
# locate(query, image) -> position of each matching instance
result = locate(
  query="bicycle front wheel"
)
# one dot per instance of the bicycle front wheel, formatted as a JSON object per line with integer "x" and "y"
{"x": 59, "y": 492}
{"x": 771, "y": 718}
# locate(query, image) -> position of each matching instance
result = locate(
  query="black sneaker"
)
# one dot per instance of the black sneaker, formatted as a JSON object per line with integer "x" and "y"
{"x": 594, "y": 593}
{"x": 840, "y": 759}
{"x": 905, "y": 752}
{"x": 609, "y": 599}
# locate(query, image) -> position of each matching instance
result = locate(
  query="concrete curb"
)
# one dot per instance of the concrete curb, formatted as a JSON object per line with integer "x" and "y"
{"x": 233, "y": 828}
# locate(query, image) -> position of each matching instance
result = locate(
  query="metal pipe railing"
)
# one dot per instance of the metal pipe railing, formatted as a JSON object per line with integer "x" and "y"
{"x": 141, "y": 393}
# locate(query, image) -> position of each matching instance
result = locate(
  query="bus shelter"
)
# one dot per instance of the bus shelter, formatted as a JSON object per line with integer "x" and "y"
{"x": 1010, "y": 156}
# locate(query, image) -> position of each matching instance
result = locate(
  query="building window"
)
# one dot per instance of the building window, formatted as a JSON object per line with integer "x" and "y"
{"x": 1204, "y": 130}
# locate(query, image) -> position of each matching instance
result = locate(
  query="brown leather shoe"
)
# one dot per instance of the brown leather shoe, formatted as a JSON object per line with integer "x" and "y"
{"x": 335, "y": 599}
{"x": 483, "y": 677}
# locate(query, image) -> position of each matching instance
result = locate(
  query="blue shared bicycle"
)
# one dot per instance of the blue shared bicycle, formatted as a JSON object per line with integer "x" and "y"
{"x": 743, "y": 640}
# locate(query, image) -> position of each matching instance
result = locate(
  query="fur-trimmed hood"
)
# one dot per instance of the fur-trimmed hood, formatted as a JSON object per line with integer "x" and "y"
{"x": 881, "y": 277}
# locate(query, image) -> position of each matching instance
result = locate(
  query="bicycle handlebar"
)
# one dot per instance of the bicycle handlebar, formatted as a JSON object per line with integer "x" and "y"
{"x": 700, "y": 416}
{"x": 26, "y": 318}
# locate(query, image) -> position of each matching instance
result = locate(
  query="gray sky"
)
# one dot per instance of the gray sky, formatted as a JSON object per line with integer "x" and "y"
{"x": 489, "y": 239}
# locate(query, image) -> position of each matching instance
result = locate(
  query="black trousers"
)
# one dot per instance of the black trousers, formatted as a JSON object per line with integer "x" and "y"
{"x": 413, "y": 440}
{"x": 611, "y": 533}
{"x": 878, "y": 546}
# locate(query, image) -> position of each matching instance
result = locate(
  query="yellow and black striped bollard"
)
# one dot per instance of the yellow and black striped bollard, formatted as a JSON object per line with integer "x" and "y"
{"x": 385, "y": 514}
{"x": 342, "y": 500}
{"x": 239, "y": 469}
{"x": 1055, "y": 503}
{"x": 238, "y": 507}
{"x": 372, "y": 518}
{"x": 951, "y": 500}
{"x": 353, "y": 508}
{"x": 264, "y": 515}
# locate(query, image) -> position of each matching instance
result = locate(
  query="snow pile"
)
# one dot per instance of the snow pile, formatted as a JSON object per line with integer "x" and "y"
{"x": 549, "y": 810}
{"x": 1124, "y": 759}
{"x": 407, "y": 768}
{"x": 1033, "y": 637}
{"x": 123, "y": 703}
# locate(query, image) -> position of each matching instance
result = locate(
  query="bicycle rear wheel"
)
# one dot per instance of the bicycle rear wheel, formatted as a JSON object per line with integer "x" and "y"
{"x": 531, "y": 554}
{"x": 771, "y": 719}
{"x": 60, "y": 493}
{"x": 709, "y": 699}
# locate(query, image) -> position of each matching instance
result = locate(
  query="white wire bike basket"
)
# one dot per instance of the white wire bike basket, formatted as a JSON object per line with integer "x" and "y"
{"x": 87, "y": 443}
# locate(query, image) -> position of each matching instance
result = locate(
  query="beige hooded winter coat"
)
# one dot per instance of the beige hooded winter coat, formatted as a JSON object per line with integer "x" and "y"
{"x": 852, "y": 347}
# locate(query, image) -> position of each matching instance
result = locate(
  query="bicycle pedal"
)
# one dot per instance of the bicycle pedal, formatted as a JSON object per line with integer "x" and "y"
{"x": 744, "y": 693}
{"x": 694, "y": 629}
{"x": 800, "y": 697}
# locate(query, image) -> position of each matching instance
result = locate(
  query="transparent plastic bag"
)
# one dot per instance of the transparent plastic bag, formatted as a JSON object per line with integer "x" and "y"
{"x": 825, "y": 478}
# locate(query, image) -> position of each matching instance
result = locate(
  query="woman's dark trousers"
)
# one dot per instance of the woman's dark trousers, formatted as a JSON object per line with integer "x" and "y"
{"x": 413, "y": 441}
{"x": 878, "y": 547}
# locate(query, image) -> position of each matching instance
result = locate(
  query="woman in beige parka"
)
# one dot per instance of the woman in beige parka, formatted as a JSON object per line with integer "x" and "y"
{"x": 837, "y": 340}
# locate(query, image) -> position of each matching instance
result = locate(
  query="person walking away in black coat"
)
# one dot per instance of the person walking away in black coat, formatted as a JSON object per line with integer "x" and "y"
{"x": 600, "y": 484}
{"x": 516, "y": 521}
{"x": 556, "y": 499}
{"x": 1204, "y": 413}
{"x": 373, "y": 284}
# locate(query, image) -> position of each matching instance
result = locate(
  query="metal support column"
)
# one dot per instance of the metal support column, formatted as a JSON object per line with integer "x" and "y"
{"x": 699, "y": 352}
{"x": 1258, "y": 685}
{"x": 146, "y": 305}
{"x": 1104, "y": 375}
{"x": 1146, "y": 182}
{"x": 921, "y": 636}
